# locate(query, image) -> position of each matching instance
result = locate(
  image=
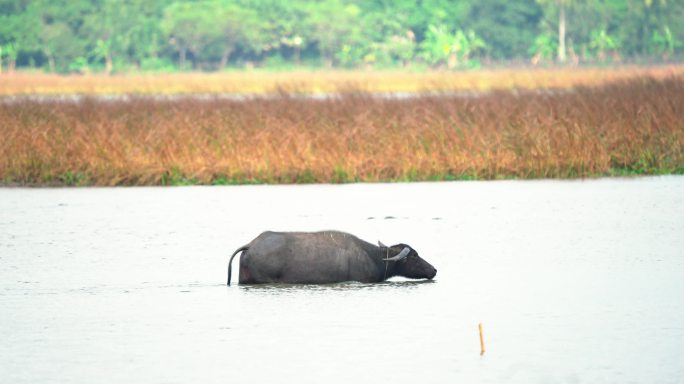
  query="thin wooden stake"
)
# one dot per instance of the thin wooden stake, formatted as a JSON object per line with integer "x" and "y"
{"x": 482, "y": 347}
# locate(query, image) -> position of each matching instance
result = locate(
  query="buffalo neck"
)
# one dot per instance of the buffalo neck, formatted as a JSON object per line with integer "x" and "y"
{"x": 383, "y": 269}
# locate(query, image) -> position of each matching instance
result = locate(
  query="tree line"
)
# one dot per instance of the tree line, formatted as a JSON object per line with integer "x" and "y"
{"x": 168, "y": 35}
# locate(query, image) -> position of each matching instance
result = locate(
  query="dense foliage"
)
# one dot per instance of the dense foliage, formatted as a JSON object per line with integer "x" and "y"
{"x": 167, "y": 35}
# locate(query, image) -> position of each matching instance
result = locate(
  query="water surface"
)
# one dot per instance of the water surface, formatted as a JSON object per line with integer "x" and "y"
{"x": 574, "y": 282}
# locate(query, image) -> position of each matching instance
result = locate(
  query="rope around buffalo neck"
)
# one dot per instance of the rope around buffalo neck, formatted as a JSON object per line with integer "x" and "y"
{"x": 386, "y": 262}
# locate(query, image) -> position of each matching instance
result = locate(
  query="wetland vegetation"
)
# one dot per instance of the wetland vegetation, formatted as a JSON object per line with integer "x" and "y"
{"x": 631, "y": 125}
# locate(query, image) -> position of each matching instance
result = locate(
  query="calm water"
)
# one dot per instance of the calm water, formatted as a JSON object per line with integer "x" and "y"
{"x": 574, "y": 282}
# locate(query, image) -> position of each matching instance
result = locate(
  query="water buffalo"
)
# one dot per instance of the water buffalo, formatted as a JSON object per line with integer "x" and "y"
{"x": 325, "y": 257}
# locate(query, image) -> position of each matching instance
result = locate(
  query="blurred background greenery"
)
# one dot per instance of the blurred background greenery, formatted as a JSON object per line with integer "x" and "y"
{"x": 87, "y": 36}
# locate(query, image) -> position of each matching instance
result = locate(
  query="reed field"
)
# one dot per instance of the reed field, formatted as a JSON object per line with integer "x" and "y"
{"x": 323, "y": 81}
{"x": 625, "y": 127}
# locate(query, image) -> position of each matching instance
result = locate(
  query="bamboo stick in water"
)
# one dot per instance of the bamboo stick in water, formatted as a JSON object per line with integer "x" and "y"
{"x": 482, "y": 346}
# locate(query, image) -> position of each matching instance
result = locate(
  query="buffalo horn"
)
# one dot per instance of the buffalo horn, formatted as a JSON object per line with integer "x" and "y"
{"x": 402, "y": 255}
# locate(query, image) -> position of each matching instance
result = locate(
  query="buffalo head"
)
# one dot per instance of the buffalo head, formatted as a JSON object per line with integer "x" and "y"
{"x": 409, "y": 264}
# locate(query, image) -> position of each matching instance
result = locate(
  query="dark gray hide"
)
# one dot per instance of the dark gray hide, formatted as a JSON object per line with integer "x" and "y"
{"x": 325, "y": 257}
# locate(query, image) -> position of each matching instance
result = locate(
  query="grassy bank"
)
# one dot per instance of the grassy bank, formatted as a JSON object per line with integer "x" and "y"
{"x": 627, "y": 127}
{"x": 259, "y": 82}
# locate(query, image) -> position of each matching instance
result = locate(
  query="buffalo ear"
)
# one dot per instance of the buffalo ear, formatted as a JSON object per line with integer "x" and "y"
{"x": 381, "y": 245}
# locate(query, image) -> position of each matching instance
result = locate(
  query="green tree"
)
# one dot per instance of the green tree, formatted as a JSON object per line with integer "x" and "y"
{"x": 146, "y": 40}
{"x": 543, "y": 48}
{"x": 189, "y": 27}
{"x": 18, "y": 29}
{"x": 635, "y": 23}
{"x": 508, "y": 27}
{"x": 438, "y": 45}
{"x": 451, "y": 48}
{"x": 276, "y": 28}
{"x": 294, "y": 29}
{"x": 10, "y": 52}
{"x": 59, "y": 32}
{"x": 109, "y": 31}
{"x": 602, "y": 43}
{"x": 401, "y": 48}
{"x": 561, "y": 7}
{"x": 234, "y": 25}
{"x": 57, "y": 43}
{"x": 333, "y": 24}
{"x": 664, "y": 43}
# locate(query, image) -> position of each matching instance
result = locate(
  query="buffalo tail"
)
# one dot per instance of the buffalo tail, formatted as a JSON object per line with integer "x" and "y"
{"x": 230, "y": 263}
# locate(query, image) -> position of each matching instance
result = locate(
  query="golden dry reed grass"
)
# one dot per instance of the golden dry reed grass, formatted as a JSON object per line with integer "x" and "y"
{"x": 259, "y": 82}
{"x": 627, "y": 127}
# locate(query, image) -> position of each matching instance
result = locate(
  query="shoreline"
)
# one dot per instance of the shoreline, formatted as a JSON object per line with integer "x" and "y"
{"x": 613, "y": 174}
